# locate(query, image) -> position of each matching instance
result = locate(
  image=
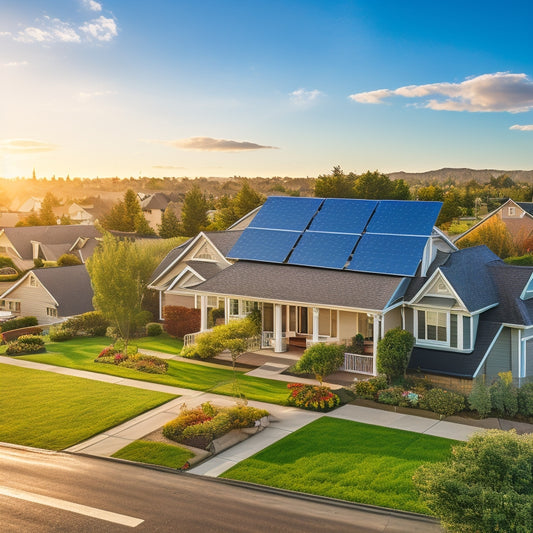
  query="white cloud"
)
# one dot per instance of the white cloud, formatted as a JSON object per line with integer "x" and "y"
{"x": 100, "y": 29}
{"x": 92, "y": 5}
{"x": 208, "y": 144}
{"x": 524, "y": 127}
{"x": 303, "y": 97}
{"x": 50, "y": 30}
{"x": 16, "y": 64}
{"x": 24, "y": 146}
{"x": 501, "y": 91}
{"x": 84, "y": 96}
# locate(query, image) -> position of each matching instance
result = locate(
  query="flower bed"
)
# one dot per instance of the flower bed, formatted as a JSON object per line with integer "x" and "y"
{"x": 26, "y": 344}
{"x": 312, "y": 397}
{"x": 200, "y": 426}
{"x": 137, "y": 361}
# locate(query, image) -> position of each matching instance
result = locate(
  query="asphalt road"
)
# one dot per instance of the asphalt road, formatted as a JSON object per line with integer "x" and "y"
{"x": 57, "y": 492}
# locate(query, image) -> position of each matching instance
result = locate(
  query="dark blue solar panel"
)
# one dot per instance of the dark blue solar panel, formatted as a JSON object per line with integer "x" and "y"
{"x": 343, "y": 215}
{"x": 328, "y": 250}
{"x": 388, "y": 254}
{"x": 264, "y": 245}
{"x": 282, "y": 212}
{"x": 404, "y": 218}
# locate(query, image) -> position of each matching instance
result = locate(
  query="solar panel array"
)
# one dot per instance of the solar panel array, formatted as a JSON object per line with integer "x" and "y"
{"x": 377, "y": 236}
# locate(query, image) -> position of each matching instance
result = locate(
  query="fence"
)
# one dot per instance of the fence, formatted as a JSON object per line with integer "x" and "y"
{"x": 358, "y": 363}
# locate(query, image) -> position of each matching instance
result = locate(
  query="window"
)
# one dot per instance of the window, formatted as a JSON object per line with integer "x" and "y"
{"x": 33, "y": 282}
{"x": 51, "y": 311}
{"x": 248, "y": 306}
{"x": 432, "y": 326}
{"x": 3, "y": 304}
{"x": 234, "y": 307}
{"x": 511, "y": 211}
{"x": 13, "y": 306}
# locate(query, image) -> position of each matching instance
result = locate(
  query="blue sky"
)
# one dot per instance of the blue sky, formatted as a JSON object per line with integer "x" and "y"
{"x": 289, "y": 88}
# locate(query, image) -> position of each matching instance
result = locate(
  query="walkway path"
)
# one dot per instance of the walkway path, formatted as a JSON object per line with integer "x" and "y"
{"x": 285, "y": 420}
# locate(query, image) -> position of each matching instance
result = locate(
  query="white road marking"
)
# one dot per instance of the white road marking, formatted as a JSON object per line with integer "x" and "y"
{"x": 72, "y": 507}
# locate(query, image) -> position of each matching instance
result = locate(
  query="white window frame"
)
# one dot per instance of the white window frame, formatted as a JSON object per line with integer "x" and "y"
{"x": 51, "y": 311}
{"x": 431, "y": 342}
{"x": 511, "y": 211}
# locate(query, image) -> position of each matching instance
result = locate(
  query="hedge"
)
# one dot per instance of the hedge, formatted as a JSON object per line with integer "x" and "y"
{"x": 179, "y": 321}
{"x": 17, "y": 323}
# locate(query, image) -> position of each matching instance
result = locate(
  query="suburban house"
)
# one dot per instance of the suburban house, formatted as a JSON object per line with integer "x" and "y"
{"x": 76, "y": 213}
{"x": 50, "y": 294}
{"x": 517, "y": 216}
{"x": 153, "y": 206}
{"x": 24, "y": 244}
{"x": 323, "y": 270}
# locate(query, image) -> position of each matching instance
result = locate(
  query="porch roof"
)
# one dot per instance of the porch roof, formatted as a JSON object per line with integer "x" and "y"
{"x": 306, "y": 285}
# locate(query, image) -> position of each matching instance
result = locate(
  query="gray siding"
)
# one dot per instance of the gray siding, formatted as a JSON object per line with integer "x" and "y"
{"x": 529, "y": 358}
{"x": 408, "y": 314}
{"x": 499, "y": 358}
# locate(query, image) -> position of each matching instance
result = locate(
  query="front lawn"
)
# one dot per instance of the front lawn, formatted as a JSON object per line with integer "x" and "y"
{"x": 162, "y": 343}
{"x": 347, "y": 460}
{"x": 155, "y": 453}
{"x": 48, "y": 410}
{"x": 80, "y": 353}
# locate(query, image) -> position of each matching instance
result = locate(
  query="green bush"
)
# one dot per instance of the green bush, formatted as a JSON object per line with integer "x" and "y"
{"x": 38, "y": 262}
{"x": 312, "y": 397}
{"x": 391, "y": 396}
{"x": 26, "y": 344}
{"x": 485, "y": 486}
{"x": 153, "y": 329}
{"x": 393, "y": 352}
{"x": 444, "y": 402}
{"x": 68, "y": 260}
{"x": 369, "y": 388}
{"x": 504, "y": 395}
{"x": 92, "y": 324}
{"x": 357, "y": 346}
{"x": 525, "y": 400}
{"x": 321, "y": 360}
{"x": 480, "y": 399}
{"x": 522, "y": 260}
{"x": 60, "y": 334}
{"x": 17, "y": 323}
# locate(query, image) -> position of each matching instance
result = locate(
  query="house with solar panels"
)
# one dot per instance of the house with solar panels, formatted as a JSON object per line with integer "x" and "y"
{"x": 324, "y": 270}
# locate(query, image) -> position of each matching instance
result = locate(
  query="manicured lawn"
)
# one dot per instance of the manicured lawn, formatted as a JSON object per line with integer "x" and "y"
{"x": 52, "y": 411}
{"x": 162, "y": 343}
{"x": 347, "y": 460}
{"x": 80, "y": 353}
{"x": 155, "y": 453}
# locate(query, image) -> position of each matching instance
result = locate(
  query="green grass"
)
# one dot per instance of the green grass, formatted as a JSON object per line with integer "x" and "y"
{"x": 80, "y": 353}
{"x": 155, "y": 453}
{"x": 52, "y": 411}
{"x": 162, "y": 343}
{"x": 347, "y": 460}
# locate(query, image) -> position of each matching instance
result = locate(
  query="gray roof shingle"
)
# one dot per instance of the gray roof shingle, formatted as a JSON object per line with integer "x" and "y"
{"x": 70, "y": 286}
{"x": 307, "y": 285}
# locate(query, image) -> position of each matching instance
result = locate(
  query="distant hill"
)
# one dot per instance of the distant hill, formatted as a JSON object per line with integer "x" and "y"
{"x": 461, "y": 175}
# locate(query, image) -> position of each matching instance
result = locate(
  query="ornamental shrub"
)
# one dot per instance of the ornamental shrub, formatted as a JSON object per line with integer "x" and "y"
{"x": 321, "y": 360}
{"x": 179, "y": 321}
{"x": 369, "y": 388}
{"x": 504, "y": 395}
{"x": 92, "y": 324}
{"x": 444, "y": 402}
{"x": 59, "y": 334}
{"x": 153, "y": 329}
{"x": 312, "y": 397}
{"x": 35, "y": 340}
{"x": 486, "y": 485}
{"x": 390, "y": 396}
{"x": 479, "y": 399}
{"x": 525, "y": 400}
{"x": 26, "y": 344}
{"x": 68, "y": 260}
{"x": 17, "y": 323}
{"x": 394, "y": 351}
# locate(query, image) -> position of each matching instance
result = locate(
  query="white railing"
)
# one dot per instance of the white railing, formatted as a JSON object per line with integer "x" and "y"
{"x": 358, "y": 363}
{"x": 190, "y": 338}
{"x": 253, "y": 343}
{"x": 266, "y": 341}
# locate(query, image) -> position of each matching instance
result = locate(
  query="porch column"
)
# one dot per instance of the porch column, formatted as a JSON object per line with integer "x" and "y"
{"x": 278, "y": 329}
{"x": 316, "y": 324}
{"x": 226, "y": 310}
{"x": 203, "y": 312}
{"x": 375, "y": 335}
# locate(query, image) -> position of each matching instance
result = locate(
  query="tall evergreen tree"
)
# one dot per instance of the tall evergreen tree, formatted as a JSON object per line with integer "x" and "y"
{"x": 246, "y": 200}
{"x": 170, "y": 225}
{"x": 335, "y": 185}
{"x": 46, "y": 214}
{"x": 132, "y": 209}
{"x": 194, "y": 212}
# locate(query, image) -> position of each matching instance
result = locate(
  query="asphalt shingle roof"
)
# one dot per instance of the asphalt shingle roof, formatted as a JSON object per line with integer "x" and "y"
{"x": 304, "y": 284}
{"x": 449, "y": 363}
{"x": 206, "y": 269}
{"x": 70, "y": 286}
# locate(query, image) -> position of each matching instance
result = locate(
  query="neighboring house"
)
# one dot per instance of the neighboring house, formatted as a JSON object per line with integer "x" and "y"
{"x": 31, "y": 205}
{"x": 325, "y": 270}
{"x": 24, "y": 244}
{"x": 76, "y": 213}
{"x": 517, "y": 216}
{"x": 9, "y": 220}
{"x": 153, "y": 207}
{"x": 50, "y": 294}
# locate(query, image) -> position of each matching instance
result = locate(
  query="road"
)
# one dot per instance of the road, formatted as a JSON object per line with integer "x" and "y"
{"x": 58, "y": 492}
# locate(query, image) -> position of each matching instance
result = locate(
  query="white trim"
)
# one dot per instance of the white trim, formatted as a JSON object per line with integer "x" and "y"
{"x": 424, "y": 288}
{"x": 440, "y": 234}
{"x": 491, "y": 345}
{"x": 245, "y": 217}
{"x": 525, "y": 291}
{"x": 19, "y": 282}
{"x": 186, "y": 270}
{"x": 2, "y": 232}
